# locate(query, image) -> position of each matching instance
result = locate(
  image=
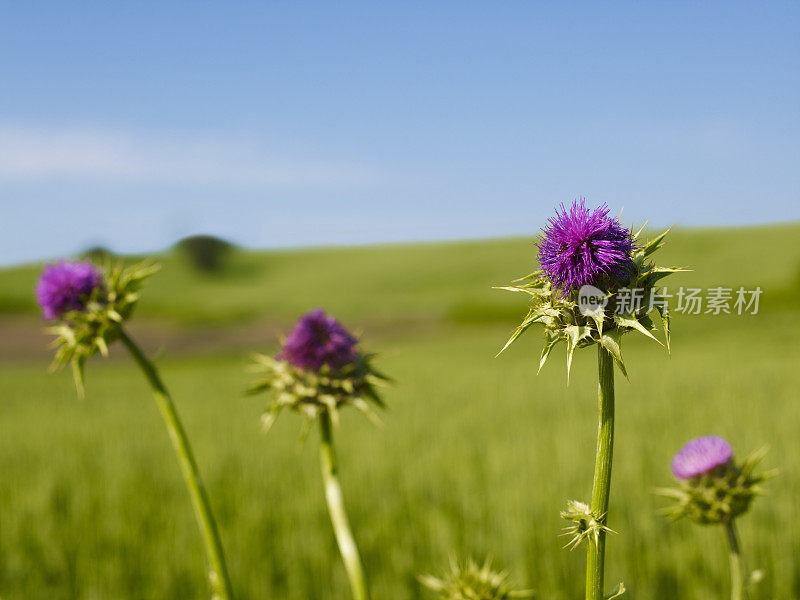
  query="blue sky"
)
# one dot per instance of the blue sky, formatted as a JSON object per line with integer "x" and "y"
{"x": 298, "y": 123}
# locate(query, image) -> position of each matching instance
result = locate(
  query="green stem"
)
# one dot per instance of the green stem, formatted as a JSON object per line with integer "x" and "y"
{"x": 595, "y": 559}
{"x": 218, "y": 575}
{"x": 341, "y": 526}
{"x": 737, "y": 576}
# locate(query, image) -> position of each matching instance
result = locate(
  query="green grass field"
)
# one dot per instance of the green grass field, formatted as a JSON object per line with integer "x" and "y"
{"x": 478, "y": 455}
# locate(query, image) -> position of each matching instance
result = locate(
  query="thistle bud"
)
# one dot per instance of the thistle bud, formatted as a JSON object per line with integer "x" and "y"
{"x": 714, "y": 488}
{"x": 586, "y": 525}
{"x": 89, "y": 304}
{"x": 473, "y": 582}
{"x": 318, "y": 369}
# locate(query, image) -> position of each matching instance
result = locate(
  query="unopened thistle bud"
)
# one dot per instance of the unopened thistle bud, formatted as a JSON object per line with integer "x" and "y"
{"x": 586, "y": 525}
{"x": 713, "y": 487}
{"x": 580, "y": 250}
{"x": 318, "y": 369}
{"x": 473, "y": 582}
{"x": 90, "y": 304}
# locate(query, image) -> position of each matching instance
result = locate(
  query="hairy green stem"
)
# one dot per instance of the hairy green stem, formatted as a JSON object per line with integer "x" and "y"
{"x": 595, "y": 558}
{"x": 737, "y": 576}
{"x": 341, "y": 526}
{"x": 218, "y": 575}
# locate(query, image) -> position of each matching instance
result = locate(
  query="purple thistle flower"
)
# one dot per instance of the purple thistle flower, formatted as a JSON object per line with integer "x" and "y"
{"x": 582, "y": 247}
{"x": 66, "y": 286}
{"x": 701, "y": 456}
{"x": 318, "y": 339}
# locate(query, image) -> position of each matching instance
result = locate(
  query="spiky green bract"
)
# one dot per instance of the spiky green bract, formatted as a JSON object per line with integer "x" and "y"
{"x": 473, "y": 582}
{"x": 563, "y": 321}
{"x": 719, "y": 495}
{"x": 311, "y": 393}
{"x": 83, "y": 333}
{"x": 586, "y": 525}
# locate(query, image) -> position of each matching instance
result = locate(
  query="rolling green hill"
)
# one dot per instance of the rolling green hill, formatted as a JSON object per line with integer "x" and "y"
{"x": 420, "y": 280}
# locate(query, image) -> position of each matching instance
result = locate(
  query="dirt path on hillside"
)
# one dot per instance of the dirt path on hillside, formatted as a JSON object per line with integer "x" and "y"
{"x": 22, "y": 338}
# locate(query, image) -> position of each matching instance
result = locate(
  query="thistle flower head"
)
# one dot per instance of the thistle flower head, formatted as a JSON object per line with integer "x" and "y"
{"x": 584, "y": 247}
{"x": 713, "y": 487}
{"x": 90, "y": 305}
{"x": 316, "y": 340}
{"x": 587, "y": 248}
{"x": 66, "y": 286}
{"x": 473, "y": 582}
{"x": 318, "y": 369}
{"x": 701, "y": 456}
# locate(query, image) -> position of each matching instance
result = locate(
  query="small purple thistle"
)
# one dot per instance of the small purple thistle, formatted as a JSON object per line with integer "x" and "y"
{"x": 316, "y": 340}
{"x": 701, "y": 456}
{"x": 66, "y": 286}
{"x": 581, "y": 247}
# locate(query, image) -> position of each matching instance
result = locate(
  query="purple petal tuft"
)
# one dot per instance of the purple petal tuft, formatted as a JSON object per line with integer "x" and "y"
{"x": 701, "y": 456}
{"x": 582, "y": 247}
{"x": 318, "y": 339}
{"x": 66, "y": 286}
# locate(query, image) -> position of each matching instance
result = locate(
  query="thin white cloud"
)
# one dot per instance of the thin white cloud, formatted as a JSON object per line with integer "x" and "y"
{"x": 36, "y": 153}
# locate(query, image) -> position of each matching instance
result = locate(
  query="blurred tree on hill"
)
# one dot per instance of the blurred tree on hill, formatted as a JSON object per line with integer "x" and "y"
{"x": 206, "y": 253}
{"x": 97, "y": 254}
